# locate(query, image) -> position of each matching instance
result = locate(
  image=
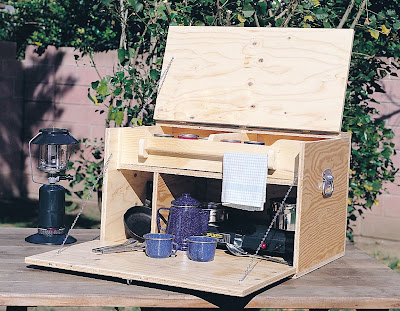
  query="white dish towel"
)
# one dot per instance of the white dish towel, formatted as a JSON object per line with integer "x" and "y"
{"x": 244, "y": 180}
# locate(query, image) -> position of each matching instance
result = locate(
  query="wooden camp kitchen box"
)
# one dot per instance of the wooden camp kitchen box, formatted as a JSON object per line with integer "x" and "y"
{"x": 281, "y": 86}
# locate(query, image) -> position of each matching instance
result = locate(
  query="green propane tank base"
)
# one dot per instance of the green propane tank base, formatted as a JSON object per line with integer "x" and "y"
{"x": 56, "y": 239}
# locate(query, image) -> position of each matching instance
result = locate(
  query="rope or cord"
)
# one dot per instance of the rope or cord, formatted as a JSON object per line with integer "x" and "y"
{"x": 84, "y": 203}
{"x": 250, "y": 266}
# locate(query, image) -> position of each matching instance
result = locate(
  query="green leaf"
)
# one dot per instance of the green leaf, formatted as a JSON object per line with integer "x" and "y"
{"x": 110, "y": 115}
{"x": 119, "y": 117}
{"x": 117, "y": 91}
{"x": 103, "y": 88}
{"x": 120, "y": 75}
{"x": 396, "y": 25}
{"x": 138, "y": 7}
{"x": 279, "y": 22}
{"x": 248, "y": 10}
{"x": 154, "y": 74}
{"x": 209, "y": 20}
{"x": 262, "y": 7}
{"x": 327, "y": 24}
{"x": 374, "y": 33}
{"x": 122, "y": 54}
{"x": 376, "y": 185}
{"x": 320, "y": 13}
{"x": 90, "y": 96}
{"x": 95, "y": 85}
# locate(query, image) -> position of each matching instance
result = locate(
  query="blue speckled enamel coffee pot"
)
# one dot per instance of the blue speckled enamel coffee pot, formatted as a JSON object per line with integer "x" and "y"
{"x": 185, "y": 219}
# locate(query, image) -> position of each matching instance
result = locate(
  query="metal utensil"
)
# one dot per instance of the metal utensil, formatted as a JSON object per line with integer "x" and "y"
{"x": 130, "y": 248}
{"x": 127, "y": 246}
{"x": 238, "y": 251}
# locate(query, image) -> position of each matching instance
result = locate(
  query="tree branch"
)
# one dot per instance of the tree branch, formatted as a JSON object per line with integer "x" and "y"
{"x": 281, "y": 14}
{"x": 124, "y": 17}
{"x": 346, "y": 14}
{"x": 219, "y": 13}
{"x": 228, "y": 18}
{"x": 286, "y": 22}
{"x": 168, "y": 7}
{"x": 256, "y": 19}
{"x": 359, "y": 13}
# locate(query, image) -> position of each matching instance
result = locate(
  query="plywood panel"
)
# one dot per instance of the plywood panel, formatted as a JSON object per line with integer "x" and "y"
{"x": 321, "y": 222}
{"x": 221, "y": 275}
{"x": 283, "y": 78}
{"x": 121, "y": 189}
{"x": 203, "y": 158}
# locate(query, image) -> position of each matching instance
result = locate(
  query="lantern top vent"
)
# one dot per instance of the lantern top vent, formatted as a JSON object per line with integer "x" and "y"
{"x": 54, "y": 136}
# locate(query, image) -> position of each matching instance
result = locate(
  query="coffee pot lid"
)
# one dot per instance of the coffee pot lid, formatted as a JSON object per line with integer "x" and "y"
{"x": 185, "y": 200}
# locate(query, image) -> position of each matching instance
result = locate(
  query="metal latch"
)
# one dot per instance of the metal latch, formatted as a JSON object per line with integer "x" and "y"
{"x": 327, "y": 183}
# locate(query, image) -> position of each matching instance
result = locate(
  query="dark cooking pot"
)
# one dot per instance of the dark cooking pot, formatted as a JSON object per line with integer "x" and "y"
{"x": 137, "y": 222}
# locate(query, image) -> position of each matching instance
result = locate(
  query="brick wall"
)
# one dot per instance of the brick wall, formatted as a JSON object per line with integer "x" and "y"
{"x": 51, "y": 90}
{"x": 44, "y": 91}
{"x": 383, "y": 221}
{"x": 10, "y": 121}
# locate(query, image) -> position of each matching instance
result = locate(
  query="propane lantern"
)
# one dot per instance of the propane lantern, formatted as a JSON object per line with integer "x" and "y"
{"x": 54, "y": 153}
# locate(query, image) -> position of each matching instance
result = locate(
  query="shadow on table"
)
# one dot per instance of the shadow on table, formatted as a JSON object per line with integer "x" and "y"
{"x": 223, "y": 302}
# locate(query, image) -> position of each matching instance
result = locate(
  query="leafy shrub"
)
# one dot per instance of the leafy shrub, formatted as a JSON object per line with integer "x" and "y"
{"x": 82, "y": 24}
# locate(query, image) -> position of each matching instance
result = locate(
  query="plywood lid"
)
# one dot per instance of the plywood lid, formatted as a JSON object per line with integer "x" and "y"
{"x": 280, "y": 78}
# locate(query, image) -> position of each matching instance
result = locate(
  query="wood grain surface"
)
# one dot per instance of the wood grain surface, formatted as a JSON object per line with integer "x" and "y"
{"x": 220, "y": 276}
{"x": 121, "y": 189}
{"x": 283, "y": 78}
{"x": 353, "y": 281}
{"x": 321, "y": 222}
{"x": 203, "y": 158}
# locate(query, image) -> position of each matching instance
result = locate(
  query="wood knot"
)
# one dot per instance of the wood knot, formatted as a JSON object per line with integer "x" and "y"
{"x": 191, "y": 117}
{"x": 260, "y": 60}
{"x": 250, "y": 83}
{"x": 253, "y": 106}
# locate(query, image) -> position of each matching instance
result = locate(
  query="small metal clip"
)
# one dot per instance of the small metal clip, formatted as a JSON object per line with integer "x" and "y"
{"x": 327, "y": 183}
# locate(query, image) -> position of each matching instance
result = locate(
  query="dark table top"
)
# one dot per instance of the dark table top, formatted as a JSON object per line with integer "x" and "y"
{"x": 355, "y": 281}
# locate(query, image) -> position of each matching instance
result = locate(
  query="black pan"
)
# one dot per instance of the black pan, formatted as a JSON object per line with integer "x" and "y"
{"x": 137, "y": 222}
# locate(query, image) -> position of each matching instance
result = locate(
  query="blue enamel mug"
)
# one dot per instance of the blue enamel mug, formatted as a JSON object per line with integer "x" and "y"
{"x": 201, "y": 248}
{"x": 160, "y": 245}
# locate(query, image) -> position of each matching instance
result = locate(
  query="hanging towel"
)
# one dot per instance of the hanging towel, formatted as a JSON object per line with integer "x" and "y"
{"x": 244, "y": 180}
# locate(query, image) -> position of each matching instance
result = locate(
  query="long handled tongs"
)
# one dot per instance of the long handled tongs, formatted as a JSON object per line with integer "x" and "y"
{"x": 128, "y": 246}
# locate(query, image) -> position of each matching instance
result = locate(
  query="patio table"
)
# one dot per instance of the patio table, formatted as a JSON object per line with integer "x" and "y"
{"x": 355, "y": 281}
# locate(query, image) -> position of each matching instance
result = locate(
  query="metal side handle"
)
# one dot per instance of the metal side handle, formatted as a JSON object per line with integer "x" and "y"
{"x": 327, "y": 183}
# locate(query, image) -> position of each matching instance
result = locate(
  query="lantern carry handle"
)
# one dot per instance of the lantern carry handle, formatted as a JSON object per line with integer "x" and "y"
{"x": 30, "y": 160}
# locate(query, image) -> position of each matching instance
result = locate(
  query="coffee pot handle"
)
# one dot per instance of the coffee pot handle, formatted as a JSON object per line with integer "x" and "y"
{"x": 204, "y": 223}
{"x": 163, "y": 219}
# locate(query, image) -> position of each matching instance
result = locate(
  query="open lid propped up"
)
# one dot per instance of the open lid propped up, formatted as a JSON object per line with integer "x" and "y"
{"x": 277, "y": 78}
